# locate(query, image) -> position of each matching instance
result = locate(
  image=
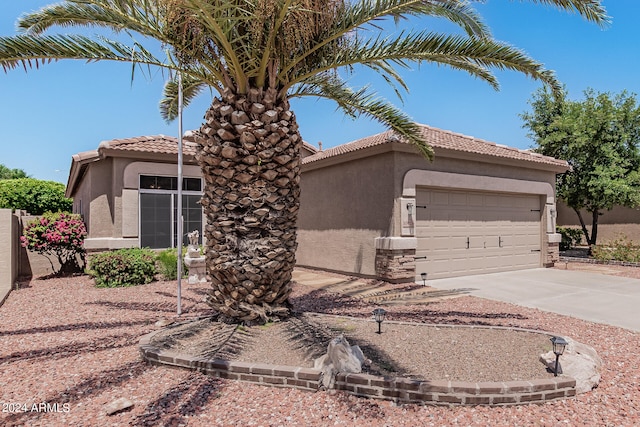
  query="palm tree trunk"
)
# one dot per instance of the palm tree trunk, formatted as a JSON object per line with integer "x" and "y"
{"x": 250, "y": 159}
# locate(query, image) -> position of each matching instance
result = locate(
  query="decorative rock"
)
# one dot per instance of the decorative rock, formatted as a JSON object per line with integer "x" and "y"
{"x": 118, "y": 405}
{"x": 580, "y": 362}
{"x": 163, "y": 322}
{"x": 340, "y": 357}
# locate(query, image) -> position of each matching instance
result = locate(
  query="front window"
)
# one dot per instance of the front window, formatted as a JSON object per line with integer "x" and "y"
{"x": 159, "y": 206}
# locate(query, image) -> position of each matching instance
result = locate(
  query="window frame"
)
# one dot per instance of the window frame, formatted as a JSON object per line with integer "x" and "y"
{"x": 173, "y": 208}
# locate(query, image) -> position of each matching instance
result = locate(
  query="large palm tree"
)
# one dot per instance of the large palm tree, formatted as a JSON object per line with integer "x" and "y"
{"x": 257, "y": 55}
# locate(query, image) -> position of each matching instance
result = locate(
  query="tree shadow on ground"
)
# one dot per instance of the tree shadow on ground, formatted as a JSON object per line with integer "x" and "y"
{"x": 74, "y": 326}
{"x": 368, "y": 409}
{"x": 166, "y": 307}
{"x": 85, "y": 389}
{"x": 320, "y": 301}
{"x": 453, "y": 317}
{"x": 194, "y": 301}
{"x": 186, "y": 399}
{"x": 71, "y": 349}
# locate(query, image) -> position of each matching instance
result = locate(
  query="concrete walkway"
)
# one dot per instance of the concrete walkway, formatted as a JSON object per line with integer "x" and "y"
{"x": 590, "y": 296}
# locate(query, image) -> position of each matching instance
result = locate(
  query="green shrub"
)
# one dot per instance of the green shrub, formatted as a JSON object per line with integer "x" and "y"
{"x": 168, "y": 263}
{"x": 58, "y": 234}
{"x": 621, "y": 249}
{"x": 570, "y": 237}
{"x": 123, "y": 267}
{"x": 33, "y": 195}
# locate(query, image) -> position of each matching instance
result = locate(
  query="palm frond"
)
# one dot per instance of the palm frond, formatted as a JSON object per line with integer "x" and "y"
{"x": 140, "y": 16}
{"x": 358, "y": 15}
{"x": 191, "y": 88}
{"x": 365, "y": 102}
{"x": 29, "y": 51}
{"x": 591, "y": 10}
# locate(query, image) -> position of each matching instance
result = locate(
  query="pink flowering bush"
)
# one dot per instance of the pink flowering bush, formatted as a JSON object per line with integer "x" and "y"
{"x": 58, "y": 234}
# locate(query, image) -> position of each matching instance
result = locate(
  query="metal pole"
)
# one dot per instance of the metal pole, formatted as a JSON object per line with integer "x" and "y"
{"x": 179, "y": 219}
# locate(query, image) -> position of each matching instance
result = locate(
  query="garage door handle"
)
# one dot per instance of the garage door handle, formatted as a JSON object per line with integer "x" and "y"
{"x": 500, "y": 241}
{"x": 536, "y": 250}
{"x": 468, "y": 244}
{"x": 420, "y": 257}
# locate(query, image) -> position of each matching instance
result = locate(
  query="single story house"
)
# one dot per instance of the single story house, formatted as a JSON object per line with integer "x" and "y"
{"x": 373, "y": 207}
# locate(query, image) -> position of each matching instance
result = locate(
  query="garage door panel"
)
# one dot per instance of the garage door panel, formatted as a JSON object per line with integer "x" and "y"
{"x": 463, "y": 233}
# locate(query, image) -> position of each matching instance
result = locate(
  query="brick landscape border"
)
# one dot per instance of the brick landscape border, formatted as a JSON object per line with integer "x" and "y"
{"x": 397, "y": 389}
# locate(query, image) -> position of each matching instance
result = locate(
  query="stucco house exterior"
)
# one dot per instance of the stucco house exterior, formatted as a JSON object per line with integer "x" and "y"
{"x": 372, "y": 207}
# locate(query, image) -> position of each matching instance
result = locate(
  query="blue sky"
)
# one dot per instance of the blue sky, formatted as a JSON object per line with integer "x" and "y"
{"x": 63, "y": 108}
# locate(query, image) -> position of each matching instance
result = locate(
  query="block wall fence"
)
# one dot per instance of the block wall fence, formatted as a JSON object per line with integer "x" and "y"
{"x": 16, "y": 263}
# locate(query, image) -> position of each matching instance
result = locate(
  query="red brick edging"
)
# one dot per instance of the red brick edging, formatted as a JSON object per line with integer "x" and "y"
{"x": 397, "y": 389}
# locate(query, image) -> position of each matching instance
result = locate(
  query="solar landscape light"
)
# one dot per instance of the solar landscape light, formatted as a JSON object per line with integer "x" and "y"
{"x": 423, "y": 276}
{"x": 378, "y": 315}
{"x": 559, "y": 344}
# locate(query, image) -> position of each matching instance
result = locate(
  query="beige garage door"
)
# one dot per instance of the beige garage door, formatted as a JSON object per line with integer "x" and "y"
{"x": 466, "y": 232}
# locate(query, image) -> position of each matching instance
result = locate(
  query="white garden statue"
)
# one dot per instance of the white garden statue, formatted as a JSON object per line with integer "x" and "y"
{"x": 195, "y": 261}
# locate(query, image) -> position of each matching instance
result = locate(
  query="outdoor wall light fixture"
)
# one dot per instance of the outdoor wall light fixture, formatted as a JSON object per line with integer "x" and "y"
{"x": 559, "y": 344}
{"x": 378, "y": 315}
{"x": 409, "y": 208}
{"x": 423, "y": 276}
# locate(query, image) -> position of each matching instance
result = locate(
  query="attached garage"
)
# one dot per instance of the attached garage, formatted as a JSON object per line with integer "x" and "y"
{"x": 375, "y": 207}
{"x": 473, "y": 232}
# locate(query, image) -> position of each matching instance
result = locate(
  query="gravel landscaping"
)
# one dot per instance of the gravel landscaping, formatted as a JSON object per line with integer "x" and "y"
{"x": 68, "y": 349}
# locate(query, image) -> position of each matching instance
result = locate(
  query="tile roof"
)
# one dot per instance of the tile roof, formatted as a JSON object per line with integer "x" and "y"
{"x": 443, "y": 139}
{"x": 162, "y": 144}
{"x": 437, "y": 138}
{"x": 150, "y": 144}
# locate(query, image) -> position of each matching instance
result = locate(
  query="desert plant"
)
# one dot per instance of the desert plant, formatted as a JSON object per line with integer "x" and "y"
{"x": 123, "y": 267}
{"x": 33, "y": 195}
{"x": 620, "y": 249}
{"x": 58, "y": 234}
{"x": 571, "y": 237}
{"x": 167, "y": 261}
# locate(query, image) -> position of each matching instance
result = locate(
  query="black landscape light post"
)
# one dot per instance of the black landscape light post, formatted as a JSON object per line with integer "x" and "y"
{"x": 559, "y": 344}
{"x": 423, "y": 276}
{"x": 378, "y": 315}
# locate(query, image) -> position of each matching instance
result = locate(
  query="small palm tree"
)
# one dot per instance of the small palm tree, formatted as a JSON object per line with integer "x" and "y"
{"x": 257, "y": 55}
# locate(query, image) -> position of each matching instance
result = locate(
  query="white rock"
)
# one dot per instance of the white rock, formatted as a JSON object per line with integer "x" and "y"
{"x": 163, "y": 322}
{"x": 118, "y": 405}
{"x": 340, "y": 357}
{"x": 579, "y": 361}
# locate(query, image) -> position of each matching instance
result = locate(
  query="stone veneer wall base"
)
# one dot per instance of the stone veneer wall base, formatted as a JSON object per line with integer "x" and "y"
{"x": 396, "y": 265}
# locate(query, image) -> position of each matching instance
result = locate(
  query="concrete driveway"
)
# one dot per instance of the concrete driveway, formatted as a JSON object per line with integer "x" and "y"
{"x": 595, "y": 297}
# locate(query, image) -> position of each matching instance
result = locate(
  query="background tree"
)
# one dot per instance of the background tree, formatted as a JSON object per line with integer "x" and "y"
{"x": 600, "y": 139}
{"x": 33, "y": 195}
{"x": 257, "y": 55}
{"x": 6, "y": 173}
